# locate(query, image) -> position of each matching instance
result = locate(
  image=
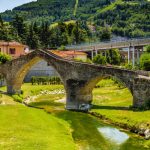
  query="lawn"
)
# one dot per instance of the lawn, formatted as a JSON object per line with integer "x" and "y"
{"x": 113, "y": 103}
{"x": 23, "y": 128}
{"x": 84, "y": 127}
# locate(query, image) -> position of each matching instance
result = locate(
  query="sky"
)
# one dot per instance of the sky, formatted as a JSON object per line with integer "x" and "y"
{"x": 10, "y": 4}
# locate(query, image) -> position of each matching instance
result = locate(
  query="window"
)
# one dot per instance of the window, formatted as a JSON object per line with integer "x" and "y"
{"x": 12, "y": 51}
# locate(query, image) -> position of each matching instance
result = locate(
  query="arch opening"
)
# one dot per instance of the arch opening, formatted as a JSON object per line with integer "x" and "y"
{"x": 15, "y": 85}
{"x": 111, "y": 93}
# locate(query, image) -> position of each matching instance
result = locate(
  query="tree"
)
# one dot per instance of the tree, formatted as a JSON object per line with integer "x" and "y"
{"x": 20, "y": 27}
{"x": 113, "y": 57}
{"x": 32, "y": 39}
{"x": 78, "y": 34}
{"x": 104, "y": 33}
{"x": 45, "y": 35}
{"x": 99, "y": 59}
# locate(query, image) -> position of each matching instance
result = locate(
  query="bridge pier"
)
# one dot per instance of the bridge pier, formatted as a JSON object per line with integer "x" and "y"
{"x": 13, "y": 89}
{"x": 77, "y": 97}
{"x": 141, "y": 92}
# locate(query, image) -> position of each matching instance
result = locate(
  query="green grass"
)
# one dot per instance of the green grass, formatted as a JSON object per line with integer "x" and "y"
{"x": 113, "y": 103}
{"x": 84, "y": 126}
{"x": 6, "y": 100}
{"x": 29, "y": 89}
{"x": 23, "y": 128}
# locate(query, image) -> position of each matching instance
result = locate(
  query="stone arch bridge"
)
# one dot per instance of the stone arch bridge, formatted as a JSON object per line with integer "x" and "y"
{"x": 78, "y": 78}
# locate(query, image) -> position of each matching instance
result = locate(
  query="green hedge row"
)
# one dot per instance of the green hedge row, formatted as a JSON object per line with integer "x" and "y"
{"x": 45, "y": 80}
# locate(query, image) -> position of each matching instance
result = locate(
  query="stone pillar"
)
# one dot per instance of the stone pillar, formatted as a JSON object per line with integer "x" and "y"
{"x": 141, "y": 92}
{"x": 96, "y": 52}
{"x": 133, "y": 56}
{"x": 13, "y": 86}
{"x": 77, "y": 97}
{"x": 92, "y": 54}
{"x": 128, "y": 55}
{"x": 13, "y": 89}
{"x": 138, "y": 56}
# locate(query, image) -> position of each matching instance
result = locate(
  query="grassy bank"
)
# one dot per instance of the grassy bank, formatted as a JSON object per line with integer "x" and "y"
{"x": 113, "y": 103}
{"x": 61, "y": 129}
{"x": 23, "y": 128}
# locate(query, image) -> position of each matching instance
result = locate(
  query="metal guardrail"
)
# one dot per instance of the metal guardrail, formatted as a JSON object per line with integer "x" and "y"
{"x": 111, "y": 44}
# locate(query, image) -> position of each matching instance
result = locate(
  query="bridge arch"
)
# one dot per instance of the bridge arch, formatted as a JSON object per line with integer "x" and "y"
{"x": 21, "y": 67}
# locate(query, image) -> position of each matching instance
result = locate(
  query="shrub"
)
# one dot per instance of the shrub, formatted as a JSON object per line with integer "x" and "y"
{"x": 4, "y": 58}
{"x": 147, "y": 104}
{"x": 17, "y": 98}
{"x": 88, "y": 61}
{"x": 145, "y": 61}
{"x": 113, "y": 57}
{"x": 62, "y": 48}
{"x": 45, "y": 80}
{"x": 128, "y": 66}
{"x": 148, "y": 49}
{"x": 99, "y": 59}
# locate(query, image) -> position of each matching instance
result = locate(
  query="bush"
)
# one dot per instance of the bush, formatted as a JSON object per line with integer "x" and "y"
{"x": 147, "y": 104}
{"x": 128, "y": 66}
{"x": 17, "y": 98}
{"x": 62, "y": 48}
{"x": 145, "y": 61}
{"x": 148, "y": 49}
{"x": 113, "y": 57}
{"x": 45, "y": 80}
{"x": 4, "y": 58}
{"x": 99, "y": 59}
{"x": 88, "y": 61}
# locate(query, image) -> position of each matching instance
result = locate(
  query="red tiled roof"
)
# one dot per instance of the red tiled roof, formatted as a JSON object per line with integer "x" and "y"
{"x": 65, "y": 54}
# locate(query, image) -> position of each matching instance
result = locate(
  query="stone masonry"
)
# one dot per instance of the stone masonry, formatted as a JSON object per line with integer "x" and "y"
{"x": 78, "y": 78}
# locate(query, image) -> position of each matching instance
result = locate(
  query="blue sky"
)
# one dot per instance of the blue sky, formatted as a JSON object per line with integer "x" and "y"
{"x": 9, "y": 4}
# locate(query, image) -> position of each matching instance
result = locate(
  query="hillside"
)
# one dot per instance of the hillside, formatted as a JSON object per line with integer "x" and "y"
{"x": 126, "y": 17}
{"x": 55, "y": 10}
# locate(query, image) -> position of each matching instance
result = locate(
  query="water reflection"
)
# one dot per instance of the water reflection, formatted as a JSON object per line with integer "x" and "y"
{"x": 113, "y": 135}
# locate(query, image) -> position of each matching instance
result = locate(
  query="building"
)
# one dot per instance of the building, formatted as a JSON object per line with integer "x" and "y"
{"x": 71, "y": 55}
{"x": 15, "y": 49}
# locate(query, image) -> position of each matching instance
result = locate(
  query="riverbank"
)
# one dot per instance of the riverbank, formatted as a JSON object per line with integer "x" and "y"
{"x": 112, "y": 104}
{"x": 83, "y": 127}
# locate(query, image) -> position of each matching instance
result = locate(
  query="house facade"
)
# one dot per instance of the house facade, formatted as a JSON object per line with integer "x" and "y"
{"x": 14, "y": 49}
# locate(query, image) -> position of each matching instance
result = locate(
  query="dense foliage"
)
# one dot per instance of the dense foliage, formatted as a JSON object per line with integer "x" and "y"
{"x": 145, "y": 60}
{"x": 99, "y": 59}
{"x": 112, "y": 57}
{"x": 125, "y": 17}
{"x": 44, "y": 35}
{"x": 45, "y": 80}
